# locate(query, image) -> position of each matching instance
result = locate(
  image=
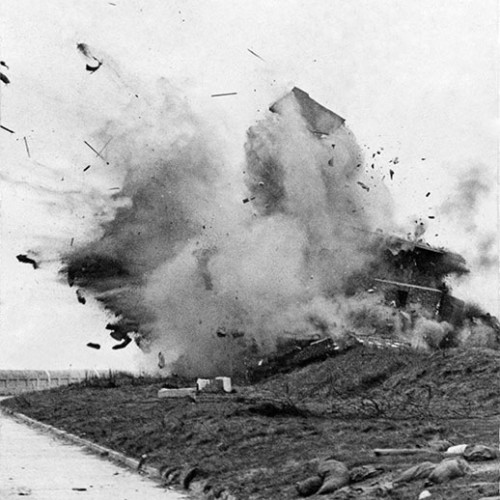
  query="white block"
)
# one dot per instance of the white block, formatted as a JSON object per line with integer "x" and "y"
{"x": 226, "y": 383}
{"x": 185, "y": 392}
{"x": 201, "y": 383}
{"x": 456, "y": 450}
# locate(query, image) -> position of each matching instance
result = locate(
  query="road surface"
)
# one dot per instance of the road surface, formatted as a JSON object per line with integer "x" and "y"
{"x": 36, "y": 465}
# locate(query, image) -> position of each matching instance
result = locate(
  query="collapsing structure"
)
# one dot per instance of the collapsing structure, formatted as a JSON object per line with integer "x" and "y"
{"x": 408, "y": 273}
{"x": 307, "y": 194}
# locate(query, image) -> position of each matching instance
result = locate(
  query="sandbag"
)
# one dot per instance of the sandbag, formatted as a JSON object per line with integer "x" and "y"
{"x": 479, "y": 452}
{"x": 362, "y": 472}
{"x": 335, "y": 476}
{"x": 449, "y": 469}
{"x": 419, "y": 471}
{"x": 309, "y": 486}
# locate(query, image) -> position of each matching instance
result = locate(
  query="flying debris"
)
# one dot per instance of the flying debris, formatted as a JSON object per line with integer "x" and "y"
{"x": 2, "y": 63}
{"x": 81, "y": 298}
{"x": 364, "y": 186}
{"x": 255, "y": 54}
{"x": 221, "y": 332}
{"x": 432, "y": 217}
{"x": 27, "y": 260}
{"x": 94, "y": 63}
{"x": 225, "y": 94}
{"x": 125, "y": 343}
{"x": 93, "y": 345}
{"x": 86, "y": 168}
{"x": 27, "y": 147}
{"x": 391, "y": 173}
{"x": 428, "y": 194}
{"x": 161, "y": 360}
{"x": 4, "y": 79}
{"x": 7, "y": 129}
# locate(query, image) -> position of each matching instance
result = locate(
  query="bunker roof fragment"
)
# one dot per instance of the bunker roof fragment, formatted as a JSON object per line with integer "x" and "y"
{"x": 319, "y": 119}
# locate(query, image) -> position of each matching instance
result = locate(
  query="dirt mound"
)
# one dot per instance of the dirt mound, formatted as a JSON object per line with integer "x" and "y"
{"x": 398, "y": 383}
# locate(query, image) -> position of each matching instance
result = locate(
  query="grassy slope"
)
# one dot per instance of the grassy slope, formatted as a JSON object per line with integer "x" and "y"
{"x": 343, "y": 407}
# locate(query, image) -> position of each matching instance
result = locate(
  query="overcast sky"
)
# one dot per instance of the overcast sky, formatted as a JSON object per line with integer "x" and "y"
{"x": 418, "y": 79}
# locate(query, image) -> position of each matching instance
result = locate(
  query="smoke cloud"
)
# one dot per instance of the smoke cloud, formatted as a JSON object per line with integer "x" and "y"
{"x": 195, "y": 249}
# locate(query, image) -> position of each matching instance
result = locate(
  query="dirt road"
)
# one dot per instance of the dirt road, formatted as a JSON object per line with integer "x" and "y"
{"x": 40, "y": 467}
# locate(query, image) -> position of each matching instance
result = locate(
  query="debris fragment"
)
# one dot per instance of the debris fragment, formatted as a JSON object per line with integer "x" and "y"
{"x": 93, "y": 345}
{"x": 246, "y": 200}
{"x": 224, "y": 94}
{"x": 95, "y": 63}
{"x": 79, "y": 489}
{"x": 4, "y": 79}
{"x": 161, "y": 360}
{"x": 94, "y": 150}
{"x": 391, "y": 173}
{"x": 27, "y": 260}
{"x": 2, "y": 63}
{"x": 395, "y": 160}
{"x": 428, "y": 194}
{"x": 72, "y": 241}
{"x": 27, "y": 147}
{"x": 86, "y": 168}
{"x": 7, "y": 129}
{"x": 81, "y": 298}
{"x": 330, "y": 162}
{"x": 364, "y": 186}
{"x": 255, "y": 54}
{"x": 432, "y": 217}
{"x": 125, "y": 343}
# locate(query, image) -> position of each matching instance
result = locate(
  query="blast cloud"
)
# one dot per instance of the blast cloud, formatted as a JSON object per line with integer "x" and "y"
{"x": 184, "y": 257}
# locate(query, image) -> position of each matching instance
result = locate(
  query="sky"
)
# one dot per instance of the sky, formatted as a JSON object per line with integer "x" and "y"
{"x": 418, "y": 79}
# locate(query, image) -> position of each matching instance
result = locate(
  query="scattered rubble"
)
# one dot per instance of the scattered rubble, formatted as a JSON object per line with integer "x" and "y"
{"x": 27, "y": 260}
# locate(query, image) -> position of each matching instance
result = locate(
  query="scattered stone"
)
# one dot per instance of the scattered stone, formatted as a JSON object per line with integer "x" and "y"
{"x": 335, "y": 476}
{"x": 424, "y": 494}
{"x": 309, "y": 486}
{"x": 448, "y": 469}
{"x": 479, "y": 452}
{"x": 419, "y": 471}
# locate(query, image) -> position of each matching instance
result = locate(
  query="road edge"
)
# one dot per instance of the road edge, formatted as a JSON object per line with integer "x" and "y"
{"x": 116, "y": 457}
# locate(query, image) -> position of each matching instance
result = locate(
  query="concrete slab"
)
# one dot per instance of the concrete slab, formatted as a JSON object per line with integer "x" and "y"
{"x": 40, "y": 467}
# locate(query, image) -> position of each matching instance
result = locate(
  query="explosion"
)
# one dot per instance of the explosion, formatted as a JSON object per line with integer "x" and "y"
{"x": 205, "y": 259}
